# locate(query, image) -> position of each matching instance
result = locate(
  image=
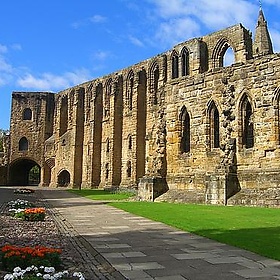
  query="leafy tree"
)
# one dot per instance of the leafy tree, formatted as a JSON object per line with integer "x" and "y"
{"x": 3, "y": 133}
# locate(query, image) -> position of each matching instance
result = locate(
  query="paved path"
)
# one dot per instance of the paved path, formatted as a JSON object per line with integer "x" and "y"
{"x": 138, "y": 248}
{"x": 143, "y": 249}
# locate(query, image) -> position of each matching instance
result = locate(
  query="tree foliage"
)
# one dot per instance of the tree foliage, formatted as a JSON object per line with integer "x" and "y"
{"x": 2, "y": 135}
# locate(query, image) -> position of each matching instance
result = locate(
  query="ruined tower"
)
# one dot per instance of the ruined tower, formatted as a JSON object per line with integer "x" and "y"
{"x": 262, "y": 43}
{"x": 31, "y": 125}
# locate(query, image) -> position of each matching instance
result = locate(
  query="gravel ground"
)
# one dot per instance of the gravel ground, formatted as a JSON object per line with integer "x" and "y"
{"x": 44, "y": 233}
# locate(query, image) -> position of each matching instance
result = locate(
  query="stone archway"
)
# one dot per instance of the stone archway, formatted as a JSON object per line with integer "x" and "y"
{"x": 63, "y": 178}
{"x": 24, "y": 172}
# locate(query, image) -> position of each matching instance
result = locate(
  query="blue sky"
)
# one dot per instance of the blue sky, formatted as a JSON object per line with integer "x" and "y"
{"x": 55, "y": 44}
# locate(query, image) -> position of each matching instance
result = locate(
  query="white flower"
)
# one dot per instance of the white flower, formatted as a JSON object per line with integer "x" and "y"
{"x": 17, "y": 269}
{"x": 17, "y": 274}
{"x": 58, "y": 275}
{"x": 49, "y": 269}
{"x": 79, "y": 274}
{"x": 46, "y": 276}
{"x": 39, "y": 274}
{"x": 34, "y": 268}
{"x": 9, "y": 277}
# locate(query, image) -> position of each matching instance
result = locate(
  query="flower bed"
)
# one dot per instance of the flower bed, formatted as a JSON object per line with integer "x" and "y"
{"x": 14, "y": 256}
{"x": 43, "y": 272}
{"x": 34, "y": 214}
{"x": 19, "y": 204}
{"x": 23, "y": 234}
{"x": 22, "y": 209}
{"x": 24, "y": 191}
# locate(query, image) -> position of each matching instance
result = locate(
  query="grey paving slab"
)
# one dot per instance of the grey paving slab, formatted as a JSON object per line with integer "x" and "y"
{"x": 142, "y": 249}
{"x": 175, "y": 277}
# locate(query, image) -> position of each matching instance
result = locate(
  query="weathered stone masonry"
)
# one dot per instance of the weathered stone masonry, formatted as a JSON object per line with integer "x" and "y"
{"x": 179, "y": 123}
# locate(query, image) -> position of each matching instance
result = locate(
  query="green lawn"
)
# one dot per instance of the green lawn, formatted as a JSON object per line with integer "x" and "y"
{"x": 102, "y": 194}
{"x": 252, "y": 228}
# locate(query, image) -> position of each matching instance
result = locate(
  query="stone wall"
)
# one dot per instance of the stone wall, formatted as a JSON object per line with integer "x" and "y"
{"x": 207, "y": 131}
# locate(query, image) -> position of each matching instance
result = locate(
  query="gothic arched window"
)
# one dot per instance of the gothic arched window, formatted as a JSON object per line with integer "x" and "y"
{"x": 27, "y": 114}
{"x": 247, "y": 124}
{"x": 128, "y": 170}
{"x": 107, "y": 145}
{"x": 23, "y": 144}
{"x": 107, "y": 171}
{"x": 175, "y": 65}
{"x": 214, "y": 121}
{"x": 154, "y": 83}
{"x": 129, "y": 142}
{"x": 63, "y": 120}
{"x": 129, "y": 90}
{"x": 185, "y": 62}
{"x": 185, "y": 144}
{"x": 108, "y": 93}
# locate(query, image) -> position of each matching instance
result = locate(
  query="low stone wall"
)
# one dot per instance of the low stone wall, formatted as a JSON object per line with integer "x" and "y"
{"x": 269, "y": 197}
{"x": 195, "y": 196}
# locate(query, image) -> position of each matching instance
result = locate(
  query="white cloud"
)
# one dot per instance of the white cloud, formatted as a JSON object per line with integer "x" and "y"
{"x": 49, "y": 81}
{"x": 275, "y": 37}
{"x": 3, "y": 49}
{"x": 4, "y": 65}
{"x": 97, "y": 19}
{"x": 100, "y": 55}
{"x": 7, "y": 71}
{"x": 16, "y": 47}
{"x": 180, "y": 20}
{"x": 135, "y": 41}
{"x": 85, "y": 22}
{"x": 177, "y": 30}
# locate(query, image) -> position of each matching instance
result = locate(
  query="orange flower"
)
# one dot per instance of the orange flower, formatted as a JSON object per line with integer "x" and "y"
{"x": 38, "y": 251}
{"x": 34, "y": 210}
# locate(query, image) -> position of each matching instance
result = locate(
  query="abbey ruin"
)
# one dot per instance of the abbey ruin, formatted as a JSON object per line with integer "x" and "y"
{"x": 179, "y": 126}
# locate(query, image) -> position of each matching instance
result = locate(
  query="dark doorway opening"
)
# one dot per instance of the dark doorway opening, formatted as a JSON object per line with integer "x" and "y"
{"x": 63, "y": 179}
{"x": 25, "y": 172}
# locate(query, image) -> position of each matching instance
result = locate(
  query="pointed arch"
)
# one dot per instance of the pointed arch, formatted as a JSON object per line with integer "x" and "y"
{"x": 214, "y": 125}
{"x": 129, "y": 89}
{"x": 185, "y": 62}
{"x": 219, "y": 52}
{"x": 276, "y": 106}
{"x": 108, "y": 92}
{"x": 175, "y": 64}
{"x": 247, "y": 122}
{"x": 63, "y": 178}
{"x": 27, "y": 114}
{"x": 97, "y": 134}
{"x": 107, "y": 171}
{"x": 141, "y": 124}
{"x": 184, "y": 118}
{"x": 107, "y": 145}
{"x": 23, "y": 144}
{"x": 154, "y": 82}
{"x": 63, "y": 120}
{"x": 129, "y": 140}
{"x": 128, "y": 169}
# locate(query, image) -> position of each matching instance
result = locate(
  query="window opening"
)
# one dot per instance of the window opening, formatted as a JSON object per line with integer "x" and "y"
{"x": 185, "y": 140}
{"x": 27, "y": 114}
{"x": 23, "y": 144}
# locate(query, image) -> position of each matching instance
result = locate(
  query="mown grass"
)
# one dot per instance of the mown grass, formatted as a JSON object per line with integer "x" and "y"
{"x": 251, "y": 228}
{"x": 102, "y": 194}
{"x": 254, "y": 229}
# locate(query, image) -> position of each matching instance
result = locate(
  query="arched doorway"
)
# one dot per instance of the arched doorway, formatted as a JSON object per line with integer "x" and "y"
{"x": 24, "y": 172}
{"x": 63, "y": 178}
